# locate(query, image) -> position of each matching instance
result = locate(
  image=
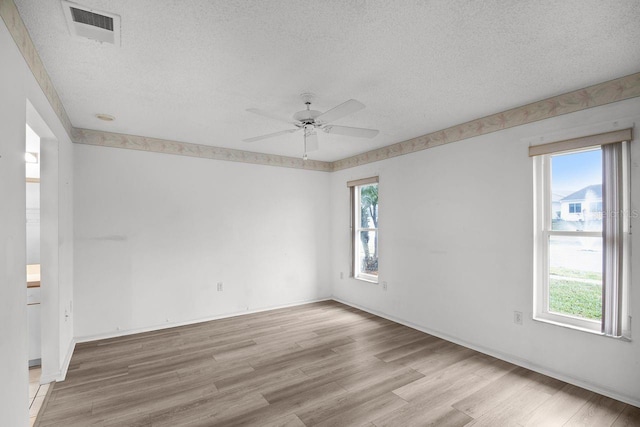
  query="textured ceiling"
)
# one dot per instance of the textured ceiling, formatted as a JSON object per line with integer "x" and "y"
{"x": 188, "y": 70}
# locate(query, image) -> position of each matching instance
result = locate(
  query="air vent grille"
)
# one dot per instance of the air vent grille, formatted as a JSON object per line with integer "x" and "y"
{"x": 92, "y": 24}
{"x": 93, "y": 19}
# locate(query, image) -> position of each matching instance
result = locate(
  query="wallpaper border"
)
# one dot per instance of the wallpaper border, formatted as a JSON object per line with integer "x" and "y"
{"x": 17, "y": 29}
{"x": 592, "y": 96}
{"x": 132, "y": 142}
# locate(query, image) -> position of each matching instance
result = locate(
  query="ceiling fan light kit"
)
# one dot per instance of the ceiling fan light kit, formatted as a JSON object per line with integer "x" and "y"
{"x": 310, "y": 120}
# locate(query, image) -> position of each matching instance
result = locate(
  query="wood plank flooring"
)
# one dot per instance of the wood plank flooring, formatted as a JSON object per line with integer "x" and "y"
{"x": 322, "y": 364}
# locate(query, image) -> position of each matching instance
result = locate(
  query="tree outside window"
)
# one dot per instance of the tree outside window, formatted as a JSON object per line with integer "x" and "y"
{"x": 368, "y": 230}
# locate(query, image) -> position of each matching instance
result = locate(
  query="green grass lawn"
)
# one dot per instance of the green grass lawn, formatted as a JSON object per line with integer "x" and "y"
{"x": 578, "y": 274}
{"x": 575, "y": 298}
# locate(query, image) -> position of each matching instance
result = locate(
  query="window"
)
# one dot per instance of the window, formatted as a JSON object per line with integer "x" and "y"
{"x": 581, "y": 250}
{"x": 364, "y": 229}
{"x": 575, "y": 207}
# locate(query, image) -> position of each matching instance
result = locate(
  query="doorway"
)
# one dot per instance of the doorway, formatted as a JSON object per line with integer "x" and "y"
{"x": 32, "y": 177}
{"x": 41, "y": 257}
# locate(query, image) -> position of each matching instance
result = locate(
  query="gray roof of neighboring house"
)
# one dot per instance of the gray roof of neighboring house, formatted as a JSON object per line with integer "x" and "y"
{"x": 595, "y": 189}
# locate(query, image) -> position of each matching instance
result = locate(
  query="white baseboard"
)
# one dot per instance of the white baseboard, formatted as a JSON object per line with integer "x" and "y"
{"x": 61, "y": 374}
{"x": 67, "y": 360}
{"x": 631, "y": 400}
{"x": 122, "y": 333}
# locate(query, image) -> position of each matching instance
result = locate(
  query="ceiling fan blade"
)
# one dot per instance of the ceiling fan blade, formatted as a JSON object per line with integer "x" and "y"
{"x": 269, "y": 115}
{"x": 340, "y": 111}
{"x": 351, "y": 131}
{"x": 311, "y": 141}
{"x": 271, "y": 135}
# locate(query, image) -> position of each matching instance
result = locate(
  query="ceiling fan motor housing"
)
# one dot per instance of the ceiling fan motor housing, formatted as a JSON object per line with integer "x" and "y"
{"x": 306, "y": 116}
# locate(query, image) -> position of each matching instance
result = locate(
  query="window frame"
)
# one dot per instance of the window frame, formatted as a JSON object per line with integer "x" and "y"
{"x": 544, "y": 232}
{"x": 356, "y": 228}
{"x": 543, "y": 216}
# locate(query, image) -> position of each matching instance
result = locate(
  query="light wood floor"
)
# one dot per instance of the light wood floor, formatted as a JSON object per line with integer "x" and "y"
{"x": 37, "y": 393}
{"x": 316, "y": 364}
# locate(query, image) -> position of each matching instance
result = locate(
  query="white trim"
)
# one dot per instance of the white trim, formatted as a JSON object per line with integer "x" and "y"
{"x": 578, "y": 328}
{"x": 631, "y": 400}
{"x": 369, "y": 278}
{"x": 115, "y": 334}
{"x": 363, "y": 181}
{"x": 580, "y": 143}
{"x": 541, "y": 223}
{"x": 550, "y": 233}
{"x": 542, "y": 234}
{"x": 580, "y": 131}
{"x": 67, "y": 360}
{"x": 61, "y": 374}
{"x": 567, "y": 321}
{"x": 357, "y": 229}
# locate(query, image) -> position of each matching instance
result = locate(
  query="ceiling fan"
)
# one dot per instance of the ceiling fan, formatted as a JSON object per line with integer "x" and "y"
{"x": 309, "y": 121}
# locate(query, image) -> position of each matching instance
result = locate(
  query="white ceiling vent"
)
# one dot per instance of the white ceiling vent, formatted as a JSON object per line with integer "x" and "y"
{"x": 92, "y": 24}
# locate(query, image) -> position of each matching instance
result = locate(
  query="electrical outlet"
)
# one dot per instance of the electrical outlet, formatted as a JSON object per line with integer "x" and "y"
{"x": 219, "y": 286}
{"x": 517, "y": 317}
{"x": 384, "y": 286}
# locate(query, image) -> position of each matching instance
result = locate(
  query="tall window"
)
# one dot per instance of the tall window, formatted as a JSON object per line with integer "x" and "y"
{"x": 581, "y": 225}
{"x": 364, "y": 228}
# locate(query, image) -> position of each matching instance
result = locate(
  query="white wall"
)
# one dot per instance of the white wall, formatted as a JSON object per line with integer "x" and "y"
{"x": 13, "y": 296}
{"x": 17, "y": 85}
{"x": 456, "y": 248}
{"x": 33, "y": 223}
{"x": 155, "y": 233}
{"x": 33, "y": 199}
{"x": 65, "y": 242}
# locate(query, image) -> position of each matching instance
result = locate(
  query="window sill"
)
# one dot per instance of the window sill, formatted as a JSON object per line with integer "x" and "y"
{"x": 578, "y": 328}
{"x": 366, "y": 279}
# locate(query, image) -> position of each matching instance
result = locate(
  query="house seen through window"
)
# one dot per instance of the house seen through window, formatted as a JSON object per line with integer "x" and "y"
{"x": 575, "y": 259}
